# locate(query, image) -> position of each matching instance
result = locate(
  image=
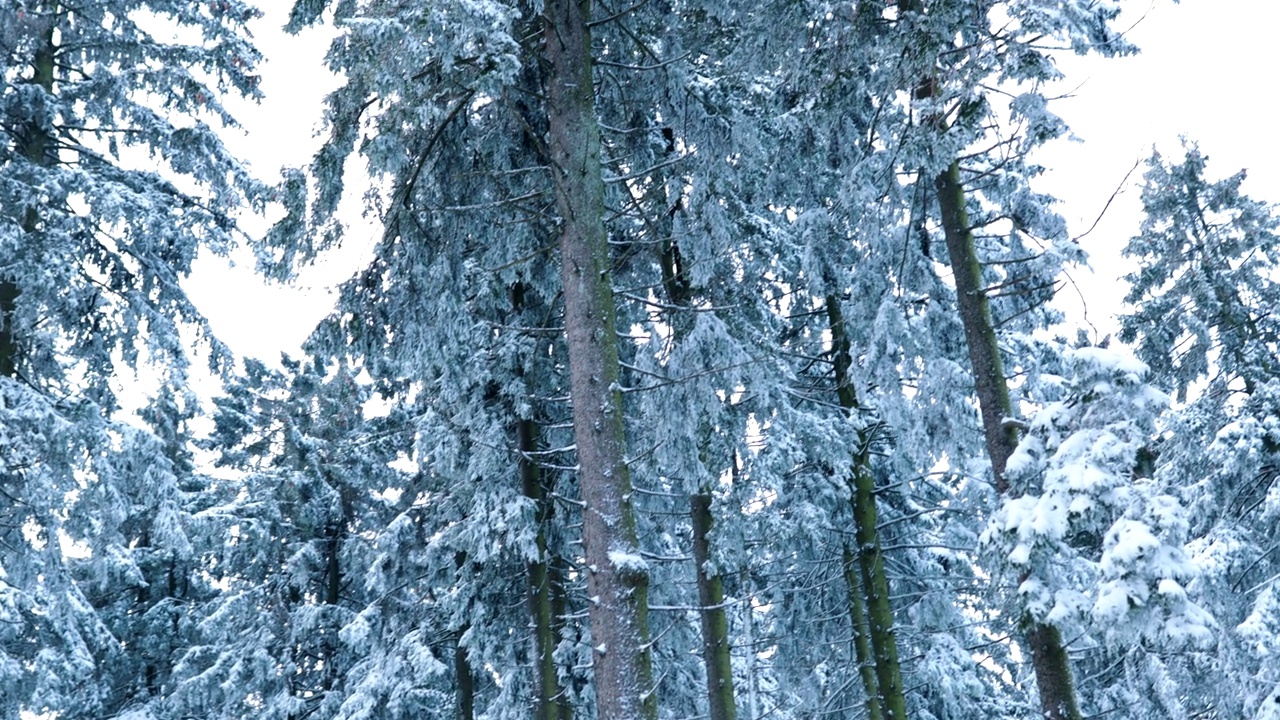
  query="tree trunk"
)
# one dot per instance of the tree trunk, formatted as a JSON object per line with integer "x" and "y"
{"x": 861, "y": 633}
{"x": 753, "y": 681}
{"x": 546, "y": 592}
{"x": 617, "y": 579}
{"x": 540, "y": 603}
{"x": 715, "y": 624}
{"x": 465, "y": 690}
{"x": 1048, "y": 655}
{"x": 979, "y": 332}
{"x": 35, "y": 147}
{"x": 332, "y": 597}
{"x": 8, "y": 339}
{"x": 716, "y": 647}
{"x": 875, "y": 584}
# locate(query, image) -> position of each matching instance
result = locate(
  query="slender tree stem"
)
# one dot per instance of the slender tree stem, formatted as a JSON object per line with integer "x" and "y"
{"x": 875, "y": 584}
{"x": 715, "y": 623}
{"x": 1048, "y": 656}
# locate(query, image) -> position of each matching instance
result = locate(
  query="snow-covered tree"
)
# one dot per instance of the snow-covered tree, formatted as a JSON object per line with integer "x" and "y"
{"x": 1092, "y": 542}
{"x": 1004, "y": 245}
{"x": 458, "y": 315}
{"x": 317, "y": 578}
{"x": 1202, "y": 317}
{"x": 111, "y": 182}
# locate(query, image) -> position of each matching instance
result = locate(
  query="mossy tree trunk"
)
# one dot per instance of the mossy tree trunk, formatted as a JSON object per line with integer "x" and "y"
{"x": 617, "y": 579}
{"x": 1048, "y": 654}
{"x": 716, "y": 655}
{"x": 979, "y": 331}
{"x": 715, "y": 622}
{"x": 861, "y": 633}
{"x": 541, "y": 602}
{"x": 1044, "y": 643}
{"x": 870, "y": 558}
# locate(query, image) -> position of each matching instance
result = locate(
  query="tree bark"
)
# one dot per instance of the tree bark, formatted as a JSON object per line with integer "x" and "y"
{"x": 546, "y": 592}
{"x": 465, "y": 689}
{"x": 332, "y": 597}
{"x": 557, "y": 569}
{"x": 617, "y": 580}
{"x": 540, "y": 592}
{"x": 36, "y": 148}
{"x": 861, "y": 634}
{"x": 875, "y": 584}
{"x": 1048, "y": 655}
{"x": 8, "y": 338}
{"x": 715, "y": 624}
{"x": 979, "y": 332}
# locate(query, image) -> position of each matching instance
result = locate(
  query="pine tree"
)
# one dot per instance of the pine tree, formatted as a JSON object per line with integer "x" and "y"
{"x": 493, "y": 436}
{"x": 309, "y": 532}
{"x": 1011, "y": 279}
{"x": 1201, "y": 317}
{"x": 94, "y": 246}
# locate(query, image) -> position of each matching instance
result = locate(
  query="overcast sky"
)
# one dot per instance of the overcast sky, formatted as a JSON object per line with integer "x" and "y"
{"x": 1206, "y": 71}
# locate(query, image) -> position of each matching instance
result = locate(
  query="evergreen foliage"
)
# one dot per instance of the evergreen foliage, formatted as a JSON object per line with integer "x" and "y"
{"x": 1201, "y": 316}
{"x": 702, "y": 368}
{"x": 112, "y": 180}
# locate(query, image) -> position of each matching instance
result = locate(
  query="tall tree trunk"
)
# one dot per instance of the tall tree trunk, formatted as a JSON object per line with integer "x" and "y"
{"x": 979, "y": 332}
{"x": 332, "y": 597}
{"x": 540, "y": 591}
{"x": 150, "y": 674}
{"x": 333, "y": 571}
{"x": 617, "y": 579}
{"x": 715, "y": 623}
{"x": 546, "y": 592}
{"x": 875, "y": 584}
{"x": 8, "y": 338}
{"x": 753, "y": 680}
{"x": 466, "y": 690}
{"x": 1048, "y": 654}
{"x": 716, "y": 655}
{"x": 36, "y": 147}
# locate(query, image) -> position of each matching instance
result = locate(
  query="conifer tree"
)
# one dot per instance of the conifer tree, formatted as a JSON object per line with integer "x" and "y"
{"x": 1013, "y": 275}
{"x": 1201, "y": 315}
{"x": 93, "y": 245}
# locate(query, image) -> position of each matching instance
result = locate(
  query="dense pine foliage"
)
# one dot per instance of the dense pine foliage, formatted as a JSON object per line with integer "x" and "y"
{"x": 706, "y": 366}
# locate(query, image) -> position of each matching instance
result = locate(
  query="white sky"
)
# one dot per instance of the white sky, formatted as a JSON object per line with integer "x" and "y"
{"x": 1206, "y": 71}
{"x": 256, "y": 318}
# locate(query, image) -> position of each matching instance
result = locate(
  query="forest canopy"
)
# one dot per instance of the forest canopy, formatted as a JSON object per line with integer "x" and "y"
{"x": 706, "y": 364}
